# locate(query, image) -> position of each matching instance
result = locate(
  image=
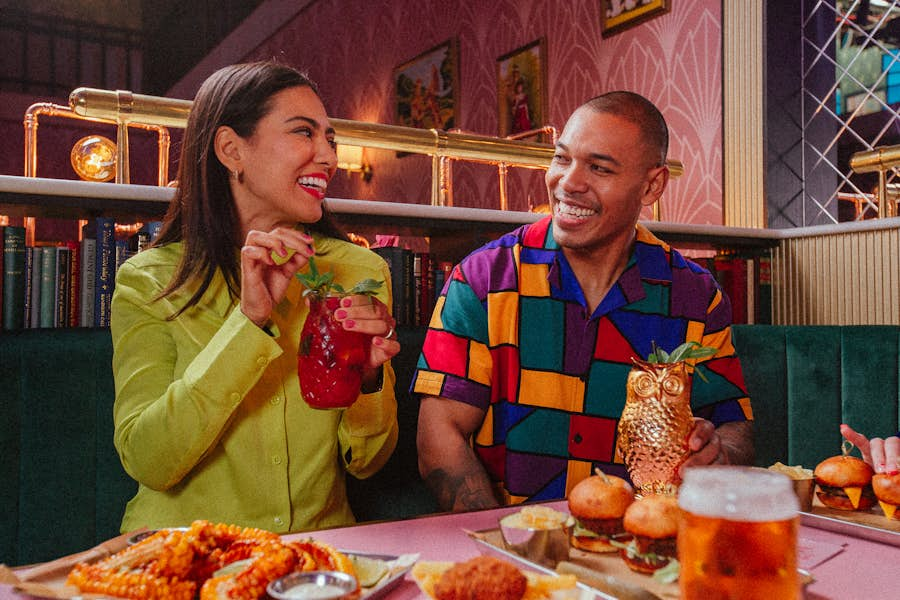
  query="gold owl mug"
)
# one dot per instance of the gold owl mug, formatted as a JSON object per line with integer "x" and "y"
{"x": 655, "y": 424}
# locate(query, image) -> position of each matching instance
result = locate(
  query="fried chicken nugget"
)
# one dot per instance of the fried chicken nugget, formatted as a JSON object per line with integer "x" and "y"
{"x": 482, "y": 578}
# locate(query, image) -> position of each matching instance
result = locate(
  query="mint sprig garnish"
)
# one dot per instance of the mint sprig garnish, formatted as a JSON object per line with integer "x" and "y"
{"x": 322, "y": 284}
{"x": 685, "y": 351}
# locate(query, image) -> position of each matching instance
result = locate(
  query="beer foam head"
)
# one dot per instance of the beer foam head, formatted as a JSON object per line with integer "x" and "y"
{"x": 738, "y": 494}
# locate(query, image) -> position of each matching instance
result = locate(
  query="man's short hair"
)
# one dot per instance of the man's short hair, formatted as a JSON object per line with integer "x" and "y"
{"x": 640, "y": 111}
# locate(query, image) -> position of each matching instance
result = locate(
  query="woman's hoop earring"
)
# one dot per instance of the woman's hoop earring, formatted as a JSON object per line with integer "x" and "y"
{"x": 238, "y": 176}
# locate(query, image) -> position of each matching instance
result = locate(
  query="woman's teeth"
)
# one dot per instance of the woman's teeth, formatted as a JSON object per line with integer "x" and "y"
{"x": 318, "y": 183}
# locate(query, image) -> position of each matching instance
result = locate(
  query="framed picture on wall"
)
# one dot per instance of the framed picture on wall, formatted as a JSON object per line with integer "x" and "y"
{"x": 521, "y": 89}
{"x": 618, "y": 15}
{"x": 427, "y": 89}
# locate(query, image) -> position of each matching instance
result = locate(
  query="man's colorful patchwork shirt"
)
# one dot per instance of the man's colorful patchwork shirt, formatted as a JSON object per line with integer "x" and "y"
{"x": 511, "y": 335}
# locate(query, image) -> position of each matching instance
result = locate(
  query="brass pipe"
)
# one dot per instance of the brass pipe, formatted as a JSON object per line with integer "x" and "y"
{"x": 151, "y": 110}
{"x": 877, "y": 159}
{"x": 434, "y": 142}
{"x": 39, "y": 109}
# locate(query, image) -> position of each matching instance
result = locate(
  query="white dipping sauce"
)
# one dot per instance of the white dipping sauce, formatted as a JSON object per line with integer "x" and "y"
{"x": 314, "y": 590}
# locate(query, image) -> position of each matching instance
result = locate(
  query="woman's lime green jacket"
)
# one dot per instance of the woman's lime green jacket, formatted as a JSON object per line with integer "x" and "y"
{"x": 209, "y": 418}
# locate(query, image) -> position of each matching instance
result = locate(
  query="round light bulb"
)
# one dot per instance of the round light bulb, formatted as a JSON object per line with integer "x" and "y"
{"x": 94, "y": 158}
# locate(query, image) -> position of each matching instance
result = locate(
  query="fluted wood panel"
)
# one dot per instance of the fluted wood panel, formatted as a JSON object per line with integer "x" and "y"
{"x": 743, "y": 42}
{"x": 843, "y": 279}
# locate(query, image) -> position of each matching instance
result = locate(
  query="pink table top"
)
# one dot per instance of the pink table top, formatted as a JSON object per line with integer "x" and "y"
{"x": 843, "y": 566}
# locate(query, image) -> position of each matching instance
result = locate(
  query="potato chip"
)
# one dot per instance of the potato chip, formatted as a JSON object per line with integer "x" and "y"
{"x": 796, "y": 472}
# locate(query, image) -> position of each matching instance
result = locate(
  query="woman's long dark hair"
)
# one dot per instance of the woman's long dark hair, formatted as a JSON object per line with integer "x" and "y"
{"x": 202, "y": 214}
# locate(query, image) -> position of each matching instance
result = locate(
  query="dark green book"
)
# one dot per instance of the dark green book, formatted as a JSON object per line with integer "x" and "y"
{"x": 13, "y": 277}
{"x": 48, "y": 286}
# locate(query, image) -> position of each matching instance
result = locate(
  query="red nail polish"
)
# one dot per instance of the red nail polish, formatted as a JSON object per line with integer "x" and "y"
{"x": 340, "y": 313}
{"x": 349, "y": 324}
{"x": 346, "y": 302}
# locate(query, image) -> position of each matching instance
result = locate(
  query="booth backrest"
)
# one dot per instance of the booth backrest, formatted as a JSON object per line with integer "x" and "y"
{"x": 804, "y": 381}
{"x": 62, "y": 487}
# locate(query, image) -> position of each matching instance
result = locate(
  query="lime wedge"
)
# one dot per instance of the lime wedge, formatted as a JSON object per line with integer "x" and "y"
{"x": 369, "y": 571}
{"x": 280, "y": 260}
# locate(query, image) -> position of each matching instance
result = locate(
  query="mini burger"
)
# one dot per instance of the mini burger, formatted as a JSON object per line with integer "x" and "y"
{"x": 652, "y": 523}
{"x": 845, "y": 483}
{"x": 887, "y": 490}
{"x": 598, "y": 503}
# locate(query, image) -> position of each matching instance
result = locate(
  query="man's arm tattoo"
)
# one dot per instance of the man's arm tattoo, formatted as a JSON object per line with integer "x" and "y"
{"x": 460, "y": 492}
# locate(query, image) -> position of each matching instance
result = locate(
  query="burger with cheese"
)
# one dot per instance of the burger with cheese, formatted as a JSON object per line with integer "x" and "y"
{"x": 887, "y": 489}
{"x": 652, "y": 523}
{"x": 598, "y": 504}
{"x": 845, "y": 483}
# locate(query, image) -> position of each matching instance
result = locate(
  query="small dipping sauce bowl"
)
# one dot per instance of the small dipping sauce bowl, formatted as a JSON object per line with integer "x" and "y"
{"x": 538, "y": 533}
{"x": 318, "y": 585}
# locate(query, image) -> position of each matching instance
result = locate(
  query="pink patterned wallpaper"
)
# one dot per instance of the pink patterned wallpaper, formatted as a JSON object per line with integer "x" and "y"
{"x": 351, "y": 47}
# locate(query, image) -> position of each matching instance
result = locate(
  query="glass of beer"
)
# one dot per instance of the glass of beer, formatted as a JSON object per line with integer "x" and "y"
{"x": 738, "y": 535}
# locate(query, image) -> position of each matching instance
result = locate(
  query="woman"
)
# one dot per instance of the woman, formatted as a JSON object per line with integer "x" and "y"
{"x": 209, "y": 417}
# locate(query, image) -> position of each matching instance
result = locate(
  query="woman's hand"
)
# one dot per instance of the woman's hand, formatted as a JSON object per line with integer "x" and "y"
{"x": 882, "y": 454}
{"x": 369, "y": 315}
{"x": 263, "y": 280}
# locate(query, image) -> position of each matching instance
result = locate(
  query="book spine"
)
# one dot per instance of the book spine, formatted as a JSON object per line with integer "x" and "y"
{"x": 426, "y": 293}
{"x": 48, "y": 282}
{"x": 153, "y": 228}
{"x": 36, "y": 270}
{"x": 29, "y": 263}
{"x": 409, "y": 291}
{"x": 61, "y": 287}
{"x": 88, "y": 275}
{"x": 74, "y": 294}
{"x": 418, "y": 306}
{"x": 13, "y": 277}
{"x": 393, "y": 256}
{"x": 105, "y": 275}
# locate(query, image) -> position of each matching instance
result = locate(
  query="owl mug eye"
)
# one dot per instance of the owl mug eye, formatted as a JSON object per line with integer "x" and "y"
{"x": 644, "y": 384}
{"x": 672, "y": 385}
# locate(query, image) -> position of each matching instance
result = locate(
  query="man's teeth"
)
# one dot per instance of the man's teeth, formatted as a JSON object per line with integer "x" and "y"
{"x": 574, "y": 211}
{"x": 313, "y": 182}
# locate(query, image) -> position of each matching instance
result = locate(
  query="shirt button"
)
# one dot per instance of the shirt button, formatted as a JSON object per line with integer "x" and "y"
{"x": 276, "y": 460}
{"x": 279, "y": 521}
{"x": 275, "y": 401}
{"x": 262, "y": 361}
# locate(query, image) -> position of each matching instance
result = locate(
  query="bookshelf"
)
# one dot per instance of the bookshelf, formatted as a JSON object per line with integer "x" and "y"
{"x": 40, "y": 197}
{"x": 440, "y": 235}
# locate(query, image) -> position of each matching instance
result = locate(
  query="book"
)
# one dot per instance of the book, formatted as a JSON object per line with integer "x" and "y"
{"x": 424, "y": 288}
{"x": 153, "y": 228}
{"x": 61, "y": 287}
{"x": 396, "y": 259}
{"x": 48, "y": 286}
{"x": 13, "y": 277}
{"x": 35, "y": 299}
{"x": 88, "y": 273}
{"x": 104, "y": 270}
{"x": 29, "y": 258}
{"x": 74, "y": 300}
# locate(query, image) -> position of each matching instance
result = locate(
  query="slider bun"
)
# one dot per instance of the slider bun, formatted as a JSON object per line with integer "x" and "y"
{"x": 600, "y": 497}
{"x": 887, "y": 488}
{"x": 653, "y": 516}
{"x": 843, "y": 471}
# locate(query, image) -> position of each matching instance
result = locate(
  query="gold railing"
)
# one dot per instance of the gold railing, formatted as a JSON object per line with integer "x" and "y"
{"x": 881, "y": 160}
{"x": 125, "y": 108}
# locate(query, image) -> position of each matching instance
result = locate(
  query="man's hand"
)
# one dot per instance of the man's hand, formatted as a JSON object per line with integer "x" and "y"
{"x": 729, "y": 444}
{"x": 447, "y": 462}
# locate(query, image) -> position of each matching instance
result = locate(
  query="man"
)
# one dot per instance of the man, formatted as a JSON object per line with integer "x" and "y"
{"x": 522, "y": 374}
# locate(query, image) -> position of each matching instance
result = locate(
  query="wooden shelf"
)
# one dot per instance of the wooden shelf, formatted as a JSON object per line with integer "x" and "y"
{"x": 464, "y": 227}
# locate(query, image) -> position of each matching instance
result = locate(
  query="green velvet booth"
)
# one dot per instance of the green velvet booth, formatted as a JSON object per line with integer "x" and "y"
{"x": 804, "y": 381}
{"x": 62, "y": 488}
